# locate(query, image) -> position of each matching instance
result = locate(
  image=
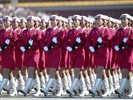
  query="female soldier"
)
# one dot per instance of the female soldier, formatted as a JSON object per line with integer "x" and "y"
{"x": 51, "y": 43}
{"x": 74, "y": 43}
{"x": 123, "y": 44}
{"x": 100, "y": 37}
{"x": 7, "y": 49}
{"x": 29, "y": 44}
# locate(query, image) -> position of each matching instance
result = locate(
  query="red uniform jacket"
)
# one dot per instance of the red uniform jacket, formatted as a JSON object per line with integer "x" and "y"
{"x": 31, "y": 58}
{"x": 8, "y": 54}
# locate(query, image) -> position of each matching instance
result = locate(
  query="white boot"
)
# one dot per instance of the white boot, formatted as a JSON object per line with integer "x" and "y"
{"x": 92, "y": 80}
{"x": 84, "y": 88}
{"x": 53, "y": 87}
{"x": 21, "y": 83}
{"x": 1, "y": 77}
{"x": 65, "y": 83}
{"x": 115, "y": 82}
{"x": 131, "y": 86}
{"x": 42, "y": 81}
{"x": 111, "y": 84}
{"x": 3, "y": 83}
{"x": 27, "y": 86}
{"x": 107, "y": 90}
{"x": 59, "y": 87}
{"x": 122, "y": 87}
{"x": 46, "y": 78}
{"x": 69, "y": 81}
{"x": 88, "y": 83}
{"x": 74, "y": 83}
{"x": 48, "y": 86}
{"x": 25, "y": 78}
{"x": 96, "y": 86}
{"x": 13, "y": 85}
{"x": 38, "y": 87}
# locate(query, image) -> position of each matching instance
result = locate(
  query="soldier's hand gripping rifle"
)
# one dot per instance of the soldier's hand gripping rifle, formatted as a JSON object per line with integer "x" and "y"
{"x": 6, "y": 43}
{"x": 99, "y": 43}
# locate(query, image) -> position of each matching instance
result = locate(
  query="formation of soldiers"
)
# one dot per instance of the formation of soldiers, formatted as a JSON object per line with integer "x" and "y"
{"x": 67, "y": 56}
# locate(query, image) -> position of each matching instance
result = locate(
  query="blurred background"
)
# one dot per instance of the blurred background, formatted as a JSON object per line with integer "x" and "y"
{"x": 65, "y": 8}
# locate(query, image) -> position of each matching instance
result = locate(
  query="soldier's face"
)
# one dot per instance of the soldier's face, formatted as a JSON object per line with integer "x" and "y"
{"x": 22, "y": 24}
{"x": 43, "y": 24}
{"x": 7, "y": 23}
{"x": 124, "y": 21}
{"x": 15, "y": 24}
{"x": 83, "y": 22}
{"x": 54, "y": 22}
{"x": 99, "y": 21}
{"x": 109, "y": 24}
{"x": 30, "y": 23}
{"x": 1, "y": 25}
{"x": 37, "y": 23}
{"x": 76, "y": 22}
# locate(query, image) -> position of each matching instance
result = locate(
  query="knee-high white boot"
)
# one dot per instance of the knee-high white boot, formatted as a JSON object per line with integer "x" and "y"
{"x": 1, "y": 77}
{"x": 65, "y": 83}
{"x": 69, "y": 81}
{"x": 21, "y": 83}
{"x": 92, "y": 79}
{"x": 96, "y": 86}
{"x": 107, "y": 90}
{"x": 42, "y": 82}
{"x": 74, "y": 83}
{"x": 131, "y": 87}
{"x": 111, "y": 84}
{"x": 83, "y": 87}
{"x": 14, "y": 87}
{"x": 3, "y": 83}
{"x": 27, "y": 86}
{"x": 48, "y": 86}
{"x": 38, "y": 87}
{"x": 59, "y": 86}
{"x": 88, "y": 83}
{"x": 122, "y": 86}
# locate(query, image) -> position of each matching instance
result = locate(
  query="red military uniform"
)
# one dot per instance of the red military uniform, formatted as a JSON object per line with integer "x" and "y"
{"x": 18, "y": 53}
{"x": 101, "y": 55}
{"x": 77, "y": 56}
{"x": 31, "y": 56}
{"x": 87, "y": 52}
{"x": 64, "y": 57}
{"x": 114, "y": 56}
{"x": 111, "y": 54}
{"x": 125, "y": 54}
{"x": 1, "y": 36}
{"x": 53, "y": 55}
{"x": 42, "y": 53}
{"x": 8, "y": 54}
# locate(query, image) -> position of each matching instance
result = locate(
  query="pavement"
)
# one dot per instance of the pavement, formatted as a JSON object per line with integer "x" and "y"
{"x": 64, "y": 97}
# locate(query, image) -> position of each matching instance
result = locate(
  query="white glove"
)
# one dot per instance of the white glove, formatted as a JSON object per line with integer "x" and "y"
{"x": 22, "y": 49}
{"x": 99, "y": 40}
{"x": 69, "y": 48}
{"x": 7, "y": 41}
{"x": 125, "y": 40}
{"x": 91, "y": 48}
{"x": 78, "y": 39}
{"x": 116, "y": 48}
{"x": 30, "y": 42}
{"x": 54, "y": 39}
{"x": 0, "y": 49}
{"x": 45, "y": 48}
